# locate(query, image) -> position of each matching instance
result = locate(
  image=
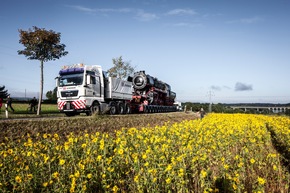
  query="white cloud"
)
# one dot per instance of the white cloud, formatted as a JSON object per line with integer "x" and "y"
{"x": 102, "y": 10}
{"x": 185, "y": 24}
{"x": 83, "y": 9}
{"x": 243, "y": 87}
{"x": 217, "y": 88}
{"x": 247, "y": 20}
{"x": 181, "y": 12}
{"x": 140, "y": 14}
{"x": 251, "y": 20}
{"x": 145, "y": 16}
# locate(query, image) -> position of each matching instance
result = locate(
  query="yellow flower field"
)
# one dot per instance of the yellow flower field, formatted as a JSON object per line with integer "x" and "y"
{"x": 221, "y": 153}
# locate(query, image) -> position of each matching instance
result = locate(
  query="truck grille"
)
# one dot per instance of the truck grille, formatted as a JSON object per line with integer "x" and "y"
{"x": 69, "y": 93}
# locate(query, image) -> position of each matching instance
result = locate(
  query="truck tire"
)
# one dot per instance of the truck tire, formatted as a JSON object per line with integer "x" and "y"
{"x": 95, "y": 109}
{"x": 113, "y": 109}
{"x": 121, "y": 108}
{"x": 127, "y": 109}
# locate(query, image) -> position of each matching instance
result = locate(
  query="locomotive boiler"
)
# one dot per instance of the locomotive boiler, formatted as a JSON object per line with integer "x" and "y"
{"x": 151, "y": 94}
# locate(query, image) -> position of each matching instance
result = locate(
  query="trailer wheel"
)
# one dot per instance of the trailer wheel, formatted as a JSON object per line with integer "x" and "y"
{"x": 127, "y": 108}
{"x": 145, "y": 109}
{"x": 113, "y": 109}
{"x": 121, "y": 108}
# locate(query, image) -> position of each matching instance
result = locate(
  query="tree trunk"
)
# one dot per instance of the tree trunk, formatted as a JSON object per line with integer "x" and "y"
{"x": 41, "y": 88}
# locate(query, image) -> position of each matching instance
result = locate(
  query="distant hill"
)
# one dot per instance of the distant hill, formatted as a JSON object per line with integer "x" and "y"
{"x": 257, "y": 104}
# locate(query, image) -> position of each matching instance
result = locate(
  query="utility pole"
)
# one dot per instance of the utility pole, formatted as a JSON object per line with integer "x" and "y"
{"x": 210, "y": 94}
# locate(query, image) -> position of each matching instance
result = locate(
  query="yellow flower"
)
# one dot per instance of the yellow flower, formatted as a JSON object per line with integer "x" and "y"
{"x": 45, "y": 184}
{"x": 111, "y": 169}
{"x": 136, "y": 179}
{"x": 77, "y": 174}
{"x": 235, "y": 186}
{"x": 95, "y": 140}
{"x": 121, "y": 151}
{"x": 181, "y": 172}
{"x": 252, "y": 161}
{"x": 168, "y": 180}
{"x": 89, "y": 176}
{"x": 55, "y": 175}
{"x": 169, "y": 167}
{"x": 99, "y": 158}
{"x": 102, "y": 144}
{"x": 226, "y": 166}
{"x": 261, "y": 180}
{"x": 29, "y": 176}
{"x": 66, "y": 145}
{"x": 71, "y": 140}
{"x": 240, "y": 164}
{"x": 81, "y": 166}
{"x": 10, "y": 151}
{"x": 203, "y": 173}
{"x": 18, "y": 179}
{"x": 144, "y": 156}
{"x": 61, "y": 162}
{"x": 56, "y": 136}
{"x": 28, "y": 154}
{"x": 115, "y": 188}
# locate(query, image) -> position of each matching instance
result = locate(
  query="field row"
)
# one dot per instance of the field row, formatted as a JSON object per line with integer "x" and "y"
{"x": 221, "y": 153}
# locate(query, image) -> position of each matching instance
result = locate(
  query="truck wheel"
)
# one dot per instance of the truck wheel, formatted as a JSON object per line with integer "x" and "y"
{"x": 121, "y": 108}
{"x": 95, "y": 109}
{"x": 113, "y": 109}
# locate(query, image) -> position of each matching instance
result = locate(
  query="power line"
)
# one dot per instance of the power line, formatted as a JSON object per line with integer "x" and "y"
{"x": 210, "y": 95}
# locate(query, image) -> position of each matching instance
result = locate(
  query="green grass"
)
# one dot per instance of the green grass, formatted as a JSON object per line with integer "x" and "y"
{"x": 22, "y": 110}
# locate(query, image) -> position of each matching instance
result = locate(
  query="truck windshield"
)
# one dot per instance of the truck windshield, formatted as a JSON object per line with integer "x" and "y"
{"x": 71, "y": 79}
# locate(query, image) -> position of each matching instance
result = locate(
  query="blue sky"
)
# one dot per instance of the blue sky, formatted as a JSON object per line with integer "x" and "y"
{"x": 208, "y": 50}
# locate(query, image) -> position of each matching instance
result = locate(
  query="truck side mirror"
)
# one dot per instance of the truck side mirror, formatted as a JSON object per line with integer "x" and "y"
{"x": 56, "y": 81}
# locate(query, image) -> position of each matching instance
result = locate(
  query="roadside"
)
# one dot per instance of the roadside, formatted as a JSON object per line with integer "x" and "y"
{"x": 22, "y": 128}
{"x": 22, "y": 110}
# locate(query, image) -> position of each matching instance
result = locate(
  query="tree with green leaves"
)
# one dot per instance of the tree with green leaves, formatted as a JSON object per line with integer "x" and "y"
{"x": 121, "y": 69}
{"x": 42, "y": 45}
{"x": 52, "y": 95}
{"x": 3, "y": 93}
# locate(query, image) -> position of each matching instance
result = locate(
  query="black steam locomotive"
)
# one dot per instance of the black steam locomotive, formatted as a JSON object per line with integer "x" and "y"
{"x": 151, "y": 94}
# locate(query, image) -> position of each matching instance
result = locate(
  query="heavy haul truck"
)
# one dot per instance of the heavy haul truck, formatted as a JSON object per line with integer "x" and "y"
{"x": 88, "y": 89}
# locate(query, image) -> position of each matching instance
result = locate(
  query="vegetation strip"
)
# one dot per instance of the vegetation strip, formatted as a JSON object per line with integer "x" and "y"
{"x": 220, "y": 153}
